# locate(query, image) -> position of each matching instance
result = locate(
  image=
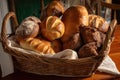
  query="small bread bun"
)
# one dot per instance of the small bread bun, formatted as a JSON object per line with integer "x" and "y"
{"x": 37, "y": 45}
{"x": 54, "y": 8}
{"x": 73, "y": 18}
{"x": 28, "y": 28}
{"x": 52, "y": 28}
{"x": 89, "y": 34}
{"x": 98, "y": 22}
{"x": 74, "y": 43}
{"x": 87, "y": 50}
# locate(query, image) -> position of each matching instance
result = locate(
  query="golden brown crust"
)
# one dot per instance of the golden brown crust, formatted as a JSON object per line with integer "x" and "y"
{"x": 52, "y": 28}
{"x": 73, "y": 18}
{"x": 55, "y": 8}
{"x": 98, "y": 22}
{"x": 37, "y": 45}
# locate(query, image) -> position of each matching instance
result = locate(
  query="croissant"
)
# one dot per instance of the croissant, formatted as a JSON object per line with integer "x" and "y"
{"x": 37, "y": 45}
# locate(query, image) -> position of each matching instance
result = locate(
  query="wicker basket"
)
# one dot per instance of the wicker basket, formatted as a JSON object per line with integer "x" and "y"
{"x": 33, "y": 63}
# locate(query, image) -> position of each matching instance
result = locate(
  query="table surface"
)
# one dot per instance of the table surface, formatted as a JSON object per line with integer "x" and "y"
{"x": 114, "y": 54}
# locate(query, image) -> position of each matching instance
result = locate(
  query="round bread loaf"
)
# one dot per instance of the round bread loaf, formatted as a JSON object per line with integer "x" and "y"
{"x": 52, "y": 28}
{"x": 98, "y": 22}
{"x": 55, "y": 8}
{"x": 73, "y": 18}
{"x": 89, "y": 34}
{"x": 28, "y": 28}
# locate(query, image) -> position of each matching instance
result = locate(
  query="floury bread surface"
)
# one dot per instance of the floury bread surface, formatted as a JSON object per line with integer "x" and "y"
{"x": 28, "y": 28}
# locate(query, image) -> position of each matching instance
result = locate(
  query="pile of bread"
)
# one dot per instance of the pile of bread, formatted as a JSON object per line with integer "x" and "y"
{"x": 60, "y": 29}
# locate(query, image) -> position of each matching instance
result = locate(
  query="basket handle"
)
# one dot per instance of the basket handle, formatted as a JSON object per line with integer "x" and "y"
{"x": 4, "y": 23}
{"x": 109, "y": 38}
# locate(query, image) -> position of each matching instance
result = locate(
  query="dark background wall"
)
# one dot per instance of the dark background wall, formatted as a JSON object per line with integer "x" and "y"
{"x": 25, "y": 8}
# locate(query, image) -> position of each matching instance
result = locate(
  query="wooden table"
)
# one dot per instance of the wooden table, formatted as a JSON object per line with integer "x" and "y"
{"x": 114, "y": 54}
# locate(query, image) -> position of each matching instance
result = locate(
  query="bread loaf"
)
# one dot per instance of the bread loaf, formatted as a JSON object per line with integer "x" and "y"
{"x": 28, "y": 28}
{"x": 73, "y": 18}
{"x": 54, "y": 8}
{"x": 37, "y": 45}
{"x": 52, "y": 28}
{"x": 89, "y": 34}
{"x": 88, "y": 50}
{"x": 98, "y": 22}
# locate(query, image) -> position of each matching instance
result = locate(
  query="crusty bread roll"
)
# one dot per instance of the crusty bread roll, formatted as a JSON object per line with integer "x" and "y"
{"x": 28, "y": 28}
{"x": 89, "y": 34}
{"x": 37, "y": 45}
{"x": 98, "y": 22}
{"x": 54, "y": 8}
{"x": 73, "y": 18}
{"x": 74, "y": 43}
{"x": 52, "y": 28}
{"x": 87, "y": 50}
